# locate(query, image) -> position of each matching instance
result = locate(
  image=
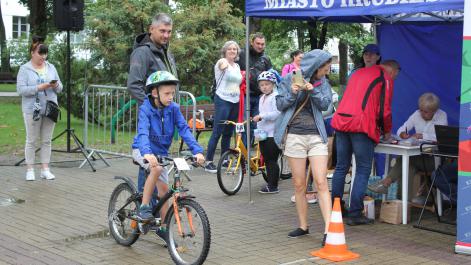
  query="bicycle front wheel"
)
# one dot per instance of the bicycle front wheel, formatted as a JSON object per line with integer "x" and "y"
{"x": 123, "y": 229}
{"x": 230, "y": 178}
{"x": 189, "y": 233}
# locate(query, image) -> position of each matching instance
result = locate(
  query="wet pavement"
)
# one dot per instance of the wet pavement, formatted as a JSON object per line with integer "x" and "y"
{"x": 64, "y": 221}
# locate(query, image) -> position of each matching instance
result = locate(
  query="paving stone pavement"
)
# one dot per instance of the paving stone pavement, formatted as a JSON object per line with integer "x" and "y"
{"x": 64, "y": 221}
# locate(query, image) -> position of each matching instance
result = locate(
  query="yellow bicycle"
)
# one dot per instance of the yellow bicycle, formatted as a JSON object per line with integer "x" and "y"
{"x": 232, "y": 165}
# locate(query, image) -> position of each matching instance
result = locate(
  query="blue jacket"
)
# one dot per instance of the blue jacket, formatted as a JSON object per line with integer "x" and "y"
{"x": 156, "y": 128}
{"x": 320, "y": 96}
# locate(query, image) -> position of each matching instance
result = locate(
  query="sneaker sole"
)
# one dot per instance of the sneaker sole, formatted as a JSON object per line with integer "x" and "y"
{"x": 297, "y": 236}
{"x": 268, "y": 192}
{"x": 211, "y": 171}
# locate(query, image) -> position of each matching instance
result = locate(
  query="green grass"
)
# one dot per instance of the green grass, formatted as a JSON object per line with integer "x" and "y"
{"x": 13, "y": 135}
{"x": 7, "y": 87}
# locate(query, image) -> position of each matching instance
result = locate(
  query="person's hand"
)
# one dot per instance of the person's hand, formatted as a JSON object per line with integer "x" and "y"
{"x": 257, "y": 118}
{"x": 418, "y": 136}
{"x": 387, "y": 136}
{"x": 223, "y": 64}
{"x": 43, "y": 86}
{"x": 308, "y": 86}
{"x": 151, "y": 159}
{"x": 199, "y": 158}
{"x": 54, "y": 85}
{"x": 295, "y": 88}
{"x": 404, "y": 135}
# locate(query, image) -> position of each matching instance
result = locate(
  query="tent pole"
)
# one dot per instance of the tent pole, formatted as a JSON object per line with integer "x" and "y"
{"x": 247, "y": 100}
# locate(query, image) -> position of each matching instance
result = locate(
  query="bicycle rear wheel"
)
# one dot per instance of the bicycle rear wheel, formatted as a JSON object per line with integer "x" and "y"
{"x": 189, "y": 242}
{"x": 230, "y": 179}
{"x": 123, "y": 229}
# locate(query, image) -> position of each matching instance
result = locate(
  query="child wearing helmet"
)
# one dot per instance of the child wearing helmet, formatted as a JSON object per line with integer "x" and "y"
{"x": 268, "y": 112}
{"x": 158, "y": 117}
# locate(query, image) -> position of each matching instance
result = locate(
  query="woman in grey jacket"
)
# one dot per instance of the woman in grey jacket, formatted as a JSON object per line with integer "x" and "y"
{"x": 37, "y": 82}
{"x": 300, "y": 128}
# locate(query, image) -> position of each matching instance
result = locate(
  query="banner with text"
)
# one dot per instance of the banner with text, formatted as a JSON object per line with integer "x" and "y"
{"x": 340, "y": 8}
{"x": 463, "y": 238}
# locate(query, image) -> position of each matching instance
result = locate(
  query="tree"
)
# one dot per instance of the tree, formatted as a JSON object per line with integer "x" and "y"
{"x": 201, "y": 32}
{"x": 113, "y": 25}
{"x": 5, "y": 53}
{"x": 39, "y": 15}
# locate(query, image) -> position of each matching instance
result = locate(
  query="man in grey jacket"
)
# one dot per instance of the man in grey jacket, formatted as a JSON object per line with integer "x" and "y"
{"x": 151, "y": 54}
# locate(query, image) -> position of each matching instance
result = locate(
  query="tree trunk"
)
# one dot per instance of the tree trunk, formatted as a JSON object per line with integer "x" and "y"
{"x": 322, "y": 37}
{"x": 312, "y": 27}
{"x": 38, "y": 17}
{"x": 300, "y": 33}
{"x": 5, "y": 53}
{"x": 343, "y": 65}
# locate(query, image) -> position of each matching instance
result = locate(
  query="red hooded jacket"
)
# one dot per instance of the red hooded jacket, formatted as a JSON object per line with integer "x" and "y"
{"x": 360, "y": 110}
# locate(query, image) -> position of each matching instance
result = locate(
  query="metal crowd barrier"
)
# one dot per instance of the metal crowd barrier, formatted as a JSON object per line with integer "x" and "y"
{"x": 111, "y": 116}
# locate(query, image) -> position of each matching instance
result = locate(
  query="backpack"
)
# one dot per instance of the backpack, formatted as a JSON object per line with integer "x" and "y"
{"x": 353, "y": 114}
{"x": 215, "y": 84}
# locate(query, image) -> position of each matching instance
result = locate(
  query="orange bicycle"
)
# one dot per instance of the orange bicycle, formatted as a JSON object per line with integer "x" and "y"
{"x": 232, "y": 165}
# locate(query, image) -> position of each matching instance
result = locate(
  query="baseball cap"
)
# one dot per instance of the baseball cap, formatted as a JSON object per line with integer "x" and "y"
{"x": 371, "y": 48}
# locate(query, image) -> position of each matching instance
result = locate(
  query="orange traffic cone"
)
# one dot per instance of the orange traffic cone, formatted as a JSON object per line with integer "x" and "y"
{"x": 335, "y": 248}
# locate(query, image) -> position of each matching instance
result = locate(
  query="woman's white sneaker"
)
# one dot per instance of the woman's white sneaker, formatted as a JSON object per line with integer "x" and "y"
{"x": 30, "y": 175}
{"x": 46, "y": 174}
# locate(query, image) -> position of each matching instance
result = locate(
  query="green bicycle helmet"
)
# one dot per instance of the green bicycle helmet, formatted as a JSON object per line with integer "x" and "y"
{"x": 160, "y": 78}
{"x": 155, "y": 80}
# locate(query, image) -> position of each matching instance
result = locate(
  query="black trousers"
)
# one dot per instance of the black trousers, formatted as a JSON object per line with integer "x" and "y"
{"x": 270, "y": 154}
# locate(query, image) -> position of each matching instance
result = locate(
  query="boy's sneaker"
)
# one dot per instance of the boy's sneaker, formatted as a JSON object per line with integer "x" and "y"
{"x": 269, "y": 190}
{"x": 145, "y": 213}
{"x": 210, "y": 167}
{"x": 30, "y": 175}
{"x": 359, "y": 220}
{"x": 162, "y": 233}
{"x": 298, "y": 232}
{"x": 46, "y": 174}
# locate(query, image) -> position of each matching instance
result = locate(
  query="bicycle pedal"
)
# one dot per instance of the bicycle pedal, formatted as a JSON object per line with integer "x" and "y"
{"x": 143, "y": 228}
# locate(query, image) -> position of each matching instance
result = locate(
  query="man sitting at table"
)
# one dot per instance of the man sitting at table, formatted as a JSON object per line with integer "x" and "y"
{"x": 423, "y": 122}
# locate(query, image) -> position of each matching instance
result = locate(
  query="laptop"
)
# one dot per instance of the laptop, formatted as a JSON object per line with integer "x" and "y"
{"x": 447, "y": 139}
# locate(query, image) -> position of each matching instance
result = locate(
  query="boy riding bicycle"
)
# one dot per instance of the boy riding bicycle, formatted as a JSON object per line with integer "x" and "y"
{"x": 158, "y": 117}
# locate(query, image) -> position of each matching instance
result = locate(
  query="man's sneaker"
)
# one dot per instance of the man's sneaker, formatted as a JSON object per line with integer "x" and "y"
{"x": 268, "y": 189}
{"x": 420, "y": 200}
{"x": 46, "y": 174}
{"x": 285, "y": 176}
{"x": 145, "y": 213}
{"x": 162, "y": 233}
{"x": 360, "y": 220}
{"x": 378, "y": 187}
{"x": 298, "y": 232}
{"x": 210, "y": 167}
{"x": 30, "y": 175}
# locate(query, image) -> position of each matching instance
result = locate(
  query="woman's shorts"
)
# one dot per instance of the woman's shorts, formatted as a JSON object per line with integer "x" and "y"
{"x": 302, "y": 146}
{"x": 136, "y": 155}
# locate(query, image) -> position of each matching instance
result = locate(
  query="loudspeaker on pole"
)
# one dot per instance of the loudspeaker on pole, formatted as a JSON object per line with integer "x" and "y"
{"x": 68, "y": 14}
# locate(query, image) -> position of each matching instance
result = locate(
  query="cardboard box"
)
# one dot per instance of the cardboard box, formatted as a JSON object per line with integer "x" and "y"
{"x": 391, "y": 212}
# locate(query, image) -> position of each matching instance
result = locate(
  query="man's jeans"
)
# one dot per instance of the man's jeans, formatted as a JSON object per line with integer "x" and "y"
{"x": 363, "y": 148}
{"x": 225, "y": 110}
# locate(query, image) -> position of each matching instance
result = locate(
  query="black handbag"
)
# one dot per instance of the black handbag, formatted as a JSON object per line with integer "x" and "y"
{"x": 52, "y": 110}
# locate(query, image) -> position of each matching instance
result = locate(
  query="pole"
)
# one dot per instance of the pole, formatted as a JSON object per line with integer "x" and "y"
{"x": 68, "y": 90}
{"x": 247, "y": 101}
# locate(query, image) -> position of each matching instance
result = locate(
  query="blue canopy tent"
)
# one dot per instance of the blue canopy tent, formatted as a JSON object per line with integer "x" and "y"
{"x": 425, "y": 36}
